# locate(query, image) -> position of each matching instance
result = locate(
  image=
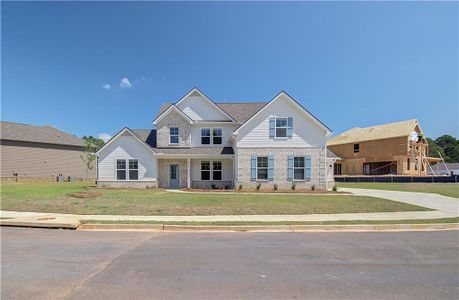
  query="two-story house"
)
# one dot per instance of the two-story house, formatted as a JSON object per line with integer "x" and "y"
{"x": 398, "y": 148}
{"x": 197, "y": 143}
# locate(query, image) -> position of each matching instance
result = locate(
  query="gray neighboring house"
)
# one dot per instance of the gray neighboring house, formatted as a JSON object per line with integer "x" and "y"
{"x": 40, "y": 152}
{"x": 441, "y": 169}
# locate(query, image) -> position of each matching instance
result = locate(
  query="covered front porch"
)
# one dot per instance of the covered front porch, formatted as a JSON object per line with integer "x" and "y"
{"x": 198, "y": 172}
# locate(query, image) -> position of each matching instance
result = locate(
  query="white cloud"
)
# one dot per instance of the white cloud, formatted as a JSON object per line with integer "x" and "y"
{"x": 107, "y": 86}
{"x": 125, "y": 83}
{"x": 104, "y": 136}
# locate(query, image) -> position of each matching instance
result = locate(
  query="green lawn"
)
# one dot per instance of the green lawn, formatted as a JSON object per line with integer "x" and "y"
{"x": 225, "y": 223}
{"x": 55, "y": 197}
{"x": 446, "y": 189}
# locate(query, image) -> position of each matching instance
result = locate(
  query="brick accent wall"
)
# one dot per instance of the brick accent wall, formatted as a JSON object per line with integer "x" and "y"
{"x": 173, "y": 119}
{"x": 281, "y": 167}
{"x": 163, "y": 172}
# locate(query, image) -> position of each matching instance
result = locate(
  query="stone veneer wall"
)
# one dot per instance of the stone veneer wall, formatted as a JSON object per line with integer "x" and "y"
{"x": 128, "y": 184}
{"x": 173, "y": 119}
{"x": 281, "y": 167}
{"x": 163, "y": 172}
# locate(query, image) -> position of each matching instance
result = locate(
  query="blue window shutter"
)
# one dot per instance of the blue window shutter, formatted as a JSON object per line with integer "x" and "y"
{"x": 289, "y": 127}
{"x": 307, "y": 167}
{"x": 271, "y": 168}
{"x": 272, "y": 127}
{"x": 253, "y": 169}
{"x": 290, "y": 168}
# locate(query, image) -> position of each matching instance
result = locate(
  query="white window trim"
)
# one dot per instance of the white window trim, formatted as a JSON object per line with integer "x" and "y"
{"x": 126, "y": 161}
{"x": 211, "y": 170}
{"x": 221, "y": 136}
{"x": 211, "y": 136}
{"x": 304, "y": 166}
{"x": 267, "y": 169}
{"x": 286, "y": 129}
{"x": 171, "y": 135}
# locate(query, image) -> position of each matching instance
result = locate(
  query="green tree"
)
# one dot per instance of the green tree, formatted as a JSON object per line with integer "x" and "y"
{"x": 96, "y": 143}
{"x": 434, "y": 148}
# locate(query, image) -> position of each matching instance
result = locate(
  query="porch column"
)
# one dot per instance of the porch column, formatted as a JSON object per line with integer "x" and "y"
{"x": 188, "y": 173}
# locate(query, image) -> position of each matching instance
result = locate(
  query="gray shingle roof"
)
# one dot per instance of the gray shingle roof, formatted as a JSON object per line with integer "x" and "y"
{"x": 37, "y": 134}
{"x": 146, "y": 135}
{"x": 198, "y": 150}
{"x": 239, "y": 111}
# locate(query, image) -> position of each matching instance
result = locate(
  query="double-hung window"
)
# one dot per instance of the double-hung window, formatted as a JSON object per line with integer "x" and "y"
{"x": 121, "y": 169}
{"x": 217, "y": 170}
{"x": 173, "y": 135}
{"x": 133, "y": 169}
{"x": 205, "y": 170}
{"x": 205, "y": 136}
{"x": 298, "y": 168}
{"x": 281, "y": 127}
{"x": 217, "y": 136}
{"x": 262, "y": 168}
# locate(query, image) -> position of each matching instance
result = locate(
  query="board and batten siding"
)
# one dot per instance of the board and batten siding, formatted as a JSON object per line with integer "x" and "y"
{"x": 227, "y": 130}
{"x": 306, "y": 132}
{"x": 39, "y": 160}
{"x": 126, "y": 147}
{"x": 199, "y": 109}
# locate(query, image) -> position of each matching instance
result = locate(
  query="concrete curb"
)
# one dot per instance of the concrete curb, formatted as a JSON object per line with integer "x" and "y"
{"x": 42, "y": 222}
{"x": 267, "y": 228}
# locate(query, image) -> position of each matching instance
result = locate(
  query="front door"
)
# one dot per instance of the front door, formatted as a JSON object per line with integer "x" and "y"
{"x": 174, "y": 176}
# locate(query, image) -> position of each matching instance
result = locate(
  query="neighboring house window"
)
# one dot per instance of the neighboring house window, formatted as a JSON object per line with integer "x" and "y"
{"x": 262, "y": 168}
{"x": 416, "y": 165}
{"x": 337, "y": 169}
{"x": 356, "y": 148}
{"x": 173, "y": 135}
{"x": 298, "y": 168}
{"x": 205, "y": 136}
{"x": 133, "y": 169}
{"x": 217, "y": 170}
{"x": 408, "y": 164}
{"x": 217, "y": 136}
{"x": 121, "y": 169}
{"x": 281, "y": 127}
{"x": 205, "y": 170}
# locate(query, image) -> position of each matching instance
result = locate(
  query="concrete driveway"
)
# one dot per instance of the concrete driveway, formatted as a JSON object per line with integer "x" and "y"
{"x": 61, "y": 264}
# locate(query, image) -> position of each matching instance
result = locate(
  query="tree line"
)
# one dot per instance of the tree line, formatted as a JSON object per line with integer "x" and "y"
{"x": 447, "y": 146}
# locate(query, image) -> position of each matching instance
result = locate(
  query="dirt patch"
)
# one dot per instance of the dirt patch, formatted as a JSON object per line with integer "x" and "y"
{"x": 86, "y": 194}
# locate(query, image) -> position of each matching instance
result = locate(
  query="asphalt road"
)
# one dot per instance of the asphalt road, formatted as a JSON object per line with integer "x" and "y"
{"x": 60, "y": 264}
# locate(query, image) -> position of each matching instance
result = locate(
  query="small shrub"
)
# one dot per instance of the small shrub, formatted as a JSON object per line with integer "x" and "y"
{"x": 258, "y": 186}
{"x": 227, "y": 187}
{"x": 275, "y": 187}
{"x": 293, "y": 185}
{"x": 313, "y": 187}
{"x": 335, "y": 188}
{"x": 213, "y": 186}
{"x": 240, "y": 187}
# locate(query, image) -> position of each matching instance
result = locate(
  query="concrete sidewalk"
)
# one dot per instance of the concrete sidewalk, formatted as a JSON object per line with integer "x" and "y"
{"x": 444, "y": 207}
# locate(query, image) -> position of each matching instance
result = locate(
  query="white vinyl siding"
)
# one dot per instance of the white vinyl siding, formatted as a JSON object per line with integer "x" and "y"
{"x": 199, "y": 109}
{"x": 306, "y": 132}
{"x": 127, "y": 147}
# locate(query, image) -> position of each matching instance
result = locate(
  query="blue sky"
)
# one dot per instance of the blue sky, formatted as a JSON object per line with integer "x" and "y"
{"x": 351, "y": 64}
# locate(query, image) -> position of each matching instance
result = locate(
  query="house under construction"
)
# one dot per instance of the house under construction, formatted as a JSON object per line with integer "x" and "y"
{"x": 397, "y": 148}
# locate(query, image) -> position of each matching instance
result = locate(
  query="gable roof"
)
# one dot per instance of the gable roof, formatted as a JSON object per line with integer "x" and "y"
{"x": 296, "y": 103}
{"x": 37, "y": 134}
{"x": 140, "y": 135}
{"x": 169, "y": 109}
{"x": 148, "y": 136}
{"x": 385, "y": 131}
{"x": 195, "y": 90}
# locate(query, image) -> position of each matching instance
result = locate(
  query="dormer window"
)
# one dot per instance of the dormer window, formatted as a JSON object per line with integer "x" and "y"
{"x": 205, "y": 136}
{"x": 281, "y": 127}
{"x": 173, "y": 135}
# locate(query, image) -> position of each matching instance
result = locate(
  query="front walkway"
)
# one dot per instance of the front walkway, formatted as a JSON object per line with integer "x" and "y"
{"x": 445, "y": 207}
